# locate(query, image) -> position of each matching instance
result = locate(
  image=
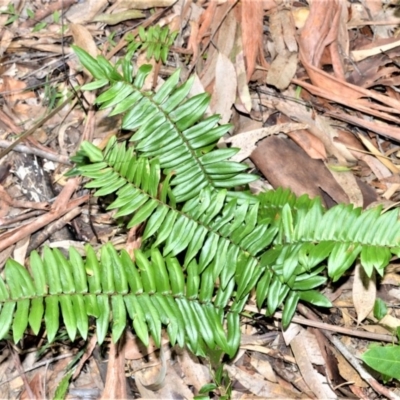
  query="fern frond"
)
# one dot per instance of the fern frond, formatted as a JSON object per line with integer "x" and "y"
{"x": 224, "y": 235}
{"x": 152, "y": 292}
{"x": 170, "y": 127}
{"x": 336, "y": 236}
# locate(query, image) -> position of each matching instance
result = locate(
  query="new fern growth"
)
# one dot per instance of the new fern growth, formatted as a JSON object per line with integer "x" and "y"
{"x": 206, "y": 245}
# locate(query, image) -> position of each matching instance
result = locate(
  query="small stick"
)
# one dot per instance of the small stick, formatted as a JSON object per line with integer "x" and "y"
{"x": 21, "y": 148}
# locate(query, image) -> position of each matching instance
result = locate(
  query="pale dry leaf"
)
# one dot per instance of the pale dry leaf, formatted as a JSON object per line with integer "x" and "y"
{"x": 282, "y": 70}
{"x": 264, "y": 368}
{"x": 291, "y": 332}
{"x": 390, "y": 322}
{"x": 364, "y": 292}
{"x": 257, "y": 385}
{"x": 247, "y": 141}
{"x": 174, "y": 387}
{"x": 289, "y": 31}
{"x": 224, "y": 94}
{"x": 144, "y": 4}
{"x": 86, "y": 11}
{"x": 20, "y": 249}
{"x": 276, "y": 31}
{"x": 316, "y": 382}
{"x": 358, "y": 55}
{"x": 300, "y": 15}
{"x": 83, "y": 39}
{"x": 348, "y": 183}
{"x": 196, "y": 374}
{"x": 114, "y": 19}
{"x": 6, "y": 39}
{"x": 243, "y": 88}
{"x": 309, "y": 340}
{"x": 377, "y": 329}
{"x": 347, "y": 371}
{"x": 384, "y": 160}
{"x": 252, "y": 31}
{"x": 318, "y": 125}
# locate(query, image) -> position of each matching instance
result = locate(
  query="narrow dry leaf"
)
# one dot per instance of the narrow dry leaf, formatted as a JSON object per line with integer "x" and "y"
{"x": 384, "y": 160}
{"x": 224, "y": 93}
{"x": 348, "y": 182}
{"x": 115, "y": 385}
{"x": 83, "y": 38}
{"x": 282, "y": 70}
{"x": 318, "y": 125}
{"x": 114, "y": 19}
{"x": 264, "y": 368}
{"x": 145, "y": 4}
{"x": 173, "y": 387}
{"x": 85, "y": 12}
{"x": 390, "y": 322}
{"x": 315, "y": 381}
{"x": 247, "y": 141}
{"x": 20, "y": 249}
{"x": 347, "y": 372}
{"x": 364, "y": 292}
{"x": 358, "y": 55}
{"x": 243, "y": 88}
{"x": 289, "y": 31}
{"x": 196, "y": 374}
{"x": 257, "y": 385}
{"x": 276, "y": 31}
{"x": 252, "y": 31}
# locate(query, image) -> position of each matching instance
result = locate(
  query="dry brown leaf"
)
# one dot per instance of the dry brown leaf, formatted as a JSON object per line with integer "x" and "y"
{"x": 364, "y": 292}
{"x": 315, "y": 381}
{"x": 264, "y": 368}
{"x": 318, "y": 125}
{"x": 224, "y": 94}
{"x": 144, "y": 4}
{"x": 347, "y": 371}
{"x": 85, "y": 12}
{"x": 115, "y": 385}
{"x": 348, "y": 182}
{"x": 83, "y": 39}
{"x": 282, "y": 70}
{"x": 252, "y": 31}
{"x": 257, "y": 385}
{"x": 114, "y": 19}
{"x": 247, "y": 141}
{"x": 196, "y": 374}
{"x": 243, "y": 88}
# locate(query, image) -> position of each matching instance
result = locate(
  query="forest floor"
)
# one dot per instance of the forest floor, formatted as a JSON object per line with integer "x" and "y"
{"x": 311, "y": 90}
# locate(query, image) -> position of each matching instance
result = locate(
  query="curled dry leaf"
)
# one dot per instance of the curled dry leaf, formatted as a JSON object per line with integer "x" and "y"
{"x": 247, "y": 141}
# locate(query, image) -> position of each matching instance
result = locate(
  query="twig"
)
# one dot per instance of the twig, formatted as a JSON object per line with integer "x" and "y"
{"x": 38, "y": 124}
{"x": 54, "y": 227}
{"x": 334, "y": 328}
{"x": 37, "y": 152}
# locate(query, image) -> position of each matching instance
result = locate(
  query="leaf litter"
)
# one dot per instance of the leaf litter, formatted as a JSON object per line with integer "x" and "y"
{"x": 320, "y": 77}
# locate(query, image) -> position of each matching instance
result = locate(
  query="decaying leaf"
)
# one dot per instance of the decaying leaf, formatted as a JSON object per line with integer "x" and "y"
{"x": 364, "y": 293}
